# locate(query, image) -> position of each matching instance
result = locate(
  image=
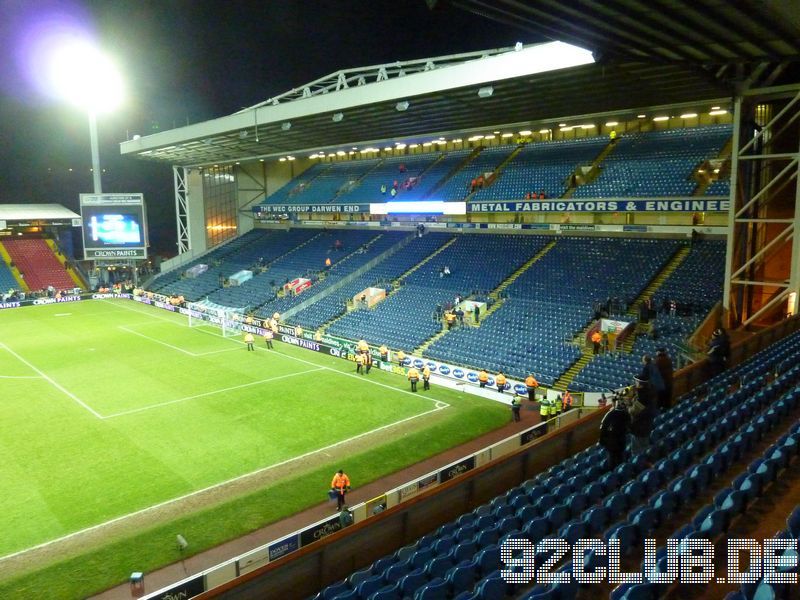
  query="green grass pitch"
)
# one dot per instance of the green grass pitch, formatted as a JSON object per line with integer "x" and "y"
{"x": 114, "y": 410}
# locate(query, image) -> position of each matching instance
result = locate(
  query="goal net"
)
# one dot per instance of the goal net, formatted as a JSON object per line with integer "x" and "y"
{"x": 228, "y": 320}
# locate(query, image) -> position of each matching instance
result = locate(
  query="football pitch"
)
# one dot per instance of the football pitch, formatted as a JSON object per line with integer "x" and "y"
{"x": 115, "y": 412}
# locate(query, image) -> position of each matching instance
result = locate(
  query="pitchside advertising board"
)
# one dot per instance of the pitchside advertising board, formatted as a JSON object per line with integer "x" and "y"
{"x": 114, "y": 226}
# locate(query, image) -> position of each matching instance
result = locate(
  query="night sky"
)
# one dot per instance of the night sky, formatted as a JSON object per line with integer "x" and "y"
{"x": 186, "y": 61}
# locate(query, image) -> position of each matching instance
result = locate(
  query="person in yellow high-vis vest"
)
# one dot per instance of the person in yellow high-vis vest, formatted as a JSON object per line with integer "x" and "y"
{"x": 413, "y": 377}
{"x": 500, "y": 380}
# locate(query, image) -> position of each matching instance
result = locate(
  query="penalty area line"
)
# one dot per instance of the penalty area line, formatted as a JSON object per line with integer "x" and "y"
{"x": 217, "y": 485}
{"x": 211, "y": 393}
{"x": 308, "y": 362}
{"x": 53, "y": 382}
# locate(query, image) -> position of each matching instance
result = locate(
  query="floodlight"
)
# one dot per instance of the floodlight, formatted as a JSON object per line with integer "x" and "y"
{"x": 286, "y": 126}
{"x": 402, "y": 106}
{"x": 84, "y": 76}
{"x": 337, "y": 117}
{"x": 485, "y": 92}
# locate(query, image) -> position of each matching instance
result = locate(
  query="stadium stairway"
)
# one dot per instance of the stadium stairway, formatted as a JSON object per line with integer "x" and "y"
{"x": 350, "y": 277}
{"x": 74, "y": 275}
{"x": 455, "y": 170}
{"x": 657, "y": 281}
{"x": 357, "y": 183}
{"x": 562, "y": 383}
{"x": 430, "y": 257}
{"x": 14, "y": 270}
{"x": 396, "y": 282}
{"x": 515, "y": 275}
{"x": 595, "y": 167}
{"x": 498, "y": 171}
{"x": 495, "y": 293}
{"x": 650, "y": 291}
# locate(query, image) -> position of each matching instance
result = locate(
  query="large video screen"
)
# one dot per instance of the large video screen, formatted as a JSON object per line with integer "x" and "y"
{"x": 114, "y": 226}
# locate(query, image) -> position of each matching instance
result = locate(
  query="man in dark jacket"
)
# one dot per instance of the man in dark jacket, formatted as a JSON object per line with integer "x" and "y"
{"x": 643, "y": 413}
{"x": 614, "y": 432}
{"x": 665, "y": 368}
{"x": 719, "y": 350}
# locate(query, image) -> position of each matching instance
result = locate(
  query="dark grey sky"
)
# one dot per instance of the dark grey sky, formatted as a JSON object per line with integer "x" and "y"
{"x": 188, "y": 61}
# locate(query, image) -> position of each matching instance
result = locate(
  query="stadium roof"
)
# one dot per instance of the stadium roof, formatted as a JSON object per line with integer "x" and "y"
{"x": 35, "y": 212}
{"x": 650, "y": 55}
{"x": 705, "y": 32}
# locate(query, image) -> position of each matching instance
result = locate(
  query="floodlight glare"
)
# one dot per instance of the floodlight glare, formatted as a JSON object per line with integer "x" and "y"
{"x": 86, "y": 77}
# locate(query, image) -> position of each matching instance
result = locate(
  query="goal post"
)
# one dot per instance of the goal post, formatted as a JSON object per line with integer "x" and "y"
{"x": 226, "y": 319}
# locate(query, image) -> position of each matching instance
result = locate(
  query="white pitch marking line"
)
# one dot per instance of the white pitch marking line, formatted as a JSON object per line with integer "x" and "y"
{"x": 216, "y": 485}
{"x": 168, "y": 345}
{"x": 157, "y": 316}
{"x": 54, "y": 383}
{"x": 19, "y": 377}
{"x": 147, "y": 337}
{"x": 204, "y": 394}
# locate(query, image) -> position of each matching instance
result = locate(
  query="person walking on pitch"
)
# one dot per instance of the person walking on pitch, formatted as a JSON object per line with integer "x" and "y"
{"x": 249, "y": 339}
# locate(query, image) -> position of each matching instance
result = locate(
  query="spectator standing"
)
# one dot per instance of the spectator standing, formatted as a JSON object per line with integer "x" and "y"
{"x": 643, "y": 413}
{"x": 500, "y": 380}
{"x": 673, "y": 308}
{"x": 566, "y": 401}
{"x": 651, "y": 374}
{"x": 413, "y": 377}
{"x": 341, "y": 485}
{"x": 516, "y": 404}
{"x": 483, "y": 378}
{"x": 666, "y": 370}
{"x": 476, "y": 313}
{"x": 597, "y": 337}
{"x": 531, "y": 384}
{"x": 544, "y": 410}
{"x": 614, "y": 430}
{"x": 719, "y": 350}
